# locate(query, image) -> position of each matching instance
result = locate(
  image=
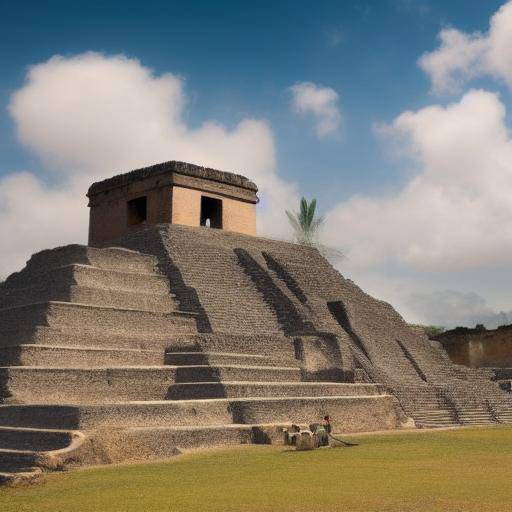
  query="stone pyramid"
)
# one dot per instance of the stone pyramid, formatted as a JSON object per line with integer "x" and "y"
{"x": 174, "y": 337}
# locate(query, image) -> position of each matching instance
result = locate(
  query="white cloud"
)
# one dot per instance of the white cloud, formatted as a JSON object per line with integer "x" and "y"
{"x": 34, "y": 216}
{"x": 455, "y": 212}
{"x": 320, "y": 102}
{"x": 90, "y": 116}
{"x": 462, "y": 57}
{"x": 451, "y": 309}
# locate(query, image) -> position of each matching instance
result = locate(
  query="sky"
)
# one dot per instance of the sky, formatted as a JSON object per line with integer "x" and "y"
{"x": 393, "y": 114}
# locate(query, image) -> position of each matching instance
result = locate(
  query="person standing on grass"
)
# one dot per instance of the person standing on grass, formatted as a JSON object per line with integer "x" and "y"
{"x": 327, "y": 425}
{"x": 325, "y": 431}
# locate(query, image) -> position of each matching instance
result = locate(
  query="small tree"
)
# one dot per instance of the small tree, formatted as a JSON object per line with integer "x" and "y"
{"x": 304, "y": 223}
{"x": 433, "y": 330}
{"x": 306, "y": 227}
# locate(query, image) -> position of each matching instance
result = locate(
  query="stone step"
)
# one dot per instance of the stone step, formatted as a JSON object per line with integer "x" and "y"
{"x": 427, "y": 424}
{"x": 426, "y": 407}
{"x": 503, "y": 413}
{"x": 221, "y": 358}
{"x": 476, "y": 423}
{"x": 90, "y": 285}
{"x": 441, "y": 418}
{"x": 16, "y": 438}
{"x": 14, "y": 469}
{"x": 416, "y": 406}
{"x": 272, "y": 346}
{"x": 99, "y": 319}
{"x": 472, "y": 409}
{"x": 157, "y": 303}
{"x": 190, "y": 391}
{"x": 167, "y": 441}
{"x": 479, "y": 422}
{"x": 111, "y": 258}
{"x": 500, "y": 396}
{"x": 420, "y": 395}
{"x": 423, "y": 400}
{"x": 507, "y": 413}
{"x": 432, "y": 413}
{"x": 362, "y": 412}
{"x": 221, "y": 373}
{"x": 73, "y": 337}
{"x": 13, "y": 460}
{"x": 464, "y": 417}
{"x": 503, "y": 408}
{"x": 437, "y": 422}
{"x": 78, "y": 357}
{"x": 65, "y": 385}
{"x": 87, "y": 276}
{"x": 435, "y": 419}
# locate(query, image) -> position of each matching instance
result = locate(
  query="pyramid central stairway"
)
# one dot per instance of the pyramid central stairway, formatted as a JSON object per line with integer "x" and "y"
{"x": 182, "y": 337}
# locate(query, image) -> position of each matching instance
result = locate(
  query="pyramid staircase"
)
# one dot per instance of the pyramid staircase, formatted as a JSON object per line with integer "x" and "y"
{"x": 99, "y": 363}
{"x": 437, "y": 393}
{"x": 306, "y": 294}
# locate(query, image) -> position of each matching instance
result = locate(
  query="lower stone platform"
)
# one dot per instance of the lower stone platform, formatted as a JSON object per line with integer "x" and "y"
{"x": 350, "y": 413}
{"x": 35, "y": 437}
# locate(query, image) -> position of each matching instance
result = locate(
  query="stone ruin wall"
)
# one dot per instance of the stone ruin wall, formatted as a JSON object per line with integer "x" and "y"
{"x": 479, "y": 348}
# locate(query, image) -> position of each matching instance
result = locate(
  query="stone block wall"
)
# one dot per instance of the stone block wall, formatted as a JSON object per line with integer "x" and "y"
{"x": 237, "y": 216}
{"x": 479, "y": 348}
{"x": 108, "y": 218}
{"x": 173, "y": 193}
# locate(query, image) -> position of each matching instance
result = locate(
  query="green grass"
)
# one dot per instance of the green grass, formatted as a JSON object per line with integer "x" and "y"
{"x": 459, "y": 470}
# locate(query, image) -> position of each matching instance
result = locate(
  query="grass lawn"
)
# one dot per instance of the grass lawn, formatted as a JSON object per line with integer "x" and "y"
{"x": 456, "y": 470}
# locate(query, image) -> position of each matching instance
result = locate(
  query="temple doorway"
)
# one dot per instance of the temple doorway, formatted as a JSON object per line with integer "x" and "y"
{"x": 211, "y": 212}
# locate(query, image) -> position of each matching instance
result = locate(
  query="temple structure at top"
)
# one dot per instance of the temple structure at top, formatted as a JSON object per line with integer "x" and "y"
{"x": 174, "y": 193}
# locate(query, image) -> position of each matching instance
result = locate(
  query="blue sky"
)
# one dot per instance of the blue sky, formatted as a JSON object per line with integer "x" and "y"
{"x": 238, "y": 61}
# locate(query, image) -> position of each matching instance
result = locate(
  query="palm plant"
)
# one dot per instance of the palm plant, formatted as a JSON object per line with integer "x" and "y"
{"x": 304, "y": 223}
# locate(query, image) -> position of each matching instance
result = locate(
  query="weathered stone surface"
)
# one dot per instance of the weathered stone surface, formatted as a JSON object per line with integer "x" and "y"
{"x": 171, "y": 192}
{"x": 182, "y": 168}
{"x": 190, "y": 337}
{"x": 348, "y": 413}
{"x": 336, "y": 328}
{"x": 479, "y": 348}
